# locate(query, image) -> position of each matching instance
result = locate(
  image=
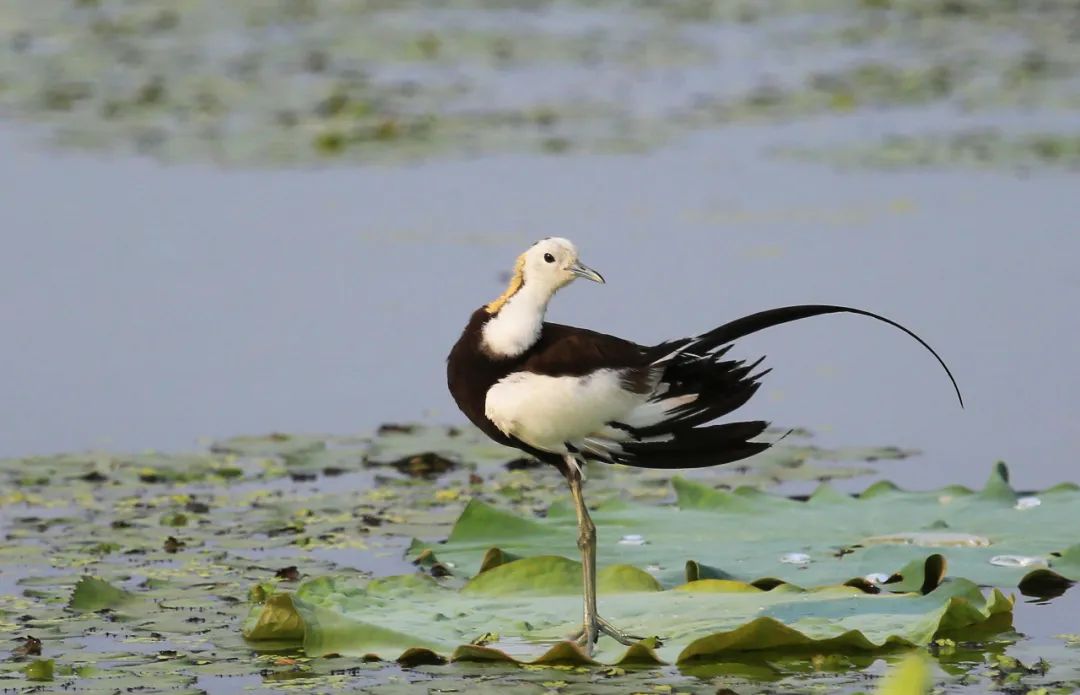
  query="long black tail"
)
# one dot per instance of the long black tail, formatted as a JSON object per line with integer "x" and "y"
{"x": 698, "y": 386}
{"x": 740, "y": 328}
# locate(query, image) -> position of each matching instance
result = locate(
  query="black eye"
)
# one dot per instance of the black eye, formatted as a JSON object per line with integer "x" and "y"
{"x": 549, "y": 258}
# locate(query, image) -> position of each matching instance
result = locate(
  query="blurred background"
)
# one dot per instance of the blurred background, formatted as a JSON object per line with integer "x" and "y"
{"x": 276, "y": 215}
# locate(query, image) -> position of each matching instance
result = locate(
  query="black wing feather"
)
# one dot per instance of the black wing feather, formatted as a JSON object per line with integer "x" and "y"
{"x": 697, "y": 447}
{"x": 694, "y": 367}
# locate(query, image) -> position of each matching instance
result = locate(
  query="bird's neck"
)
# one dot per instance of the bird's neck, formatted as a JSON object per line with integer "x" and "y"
{"x": 516, "y": 326}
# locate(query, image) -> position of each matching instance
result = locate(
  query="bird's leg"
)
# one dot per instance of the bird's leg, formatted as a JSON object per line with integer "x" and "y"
{"x": 587, "y": 545}
{"x": 593, "y": 625}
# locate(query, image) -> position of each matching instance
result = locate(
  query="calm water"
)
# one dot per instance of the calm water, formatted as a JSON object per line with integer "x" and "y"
{"x": 147, "y": 306}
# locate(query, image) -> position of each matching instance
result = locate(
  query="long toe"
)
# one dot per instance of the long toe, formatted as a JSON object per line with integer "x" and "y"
{"x": 586, "y": 637}
{"x": 617, "y": 634}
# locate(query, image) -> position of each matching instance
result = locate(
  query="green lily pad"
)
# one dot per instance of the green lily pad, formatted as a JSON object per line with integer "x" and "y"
{"x": 992, "y": 537}
{"x": 1067, "y": 562}
{"x": 274, "y": 444}
{"x": 553, "y": 575}
{"x": 86, "y": 570}
{"x": 396, "y": 442}
{"x": 93, "y": 594}
{"x": 40, "y": 670}
{"x": 536, "y": 605}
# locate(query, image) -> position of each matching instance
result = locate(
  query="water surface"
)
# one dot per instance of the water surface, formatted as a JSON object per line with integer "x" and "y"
{"x": 147, "y": 306}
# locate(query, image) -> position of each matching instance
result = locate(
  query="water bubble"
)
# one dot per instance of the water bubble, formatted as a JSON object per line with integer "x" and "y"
{"x": 632, "y": 539}
{"x": 877, "y": 577}
{"x": 653, "y": 569}
{"x": 1027, "y": 503}
{"x": 1017, "y": 561}
{"x": 795, "y": 559}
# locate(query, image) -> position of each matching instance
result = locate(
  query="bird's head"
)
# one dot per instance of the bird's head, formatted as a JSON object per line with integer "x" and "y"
{"x": 547, "y": 266}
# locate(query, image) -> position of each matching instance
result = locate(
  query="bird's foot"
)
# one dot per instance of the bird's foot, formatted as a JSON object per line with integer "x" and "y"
{"x": 588, "y": 634}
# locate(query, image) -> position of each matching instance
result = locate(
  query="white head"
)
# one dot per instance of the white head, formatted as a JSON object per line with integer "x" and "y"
{"x": 517, "y": 316}
{"x": 547, "y": 266}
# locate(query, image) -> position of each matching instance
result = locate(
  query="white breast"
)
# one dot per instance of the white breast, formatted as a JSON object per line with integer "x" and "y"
{"x": 547, "y": 411}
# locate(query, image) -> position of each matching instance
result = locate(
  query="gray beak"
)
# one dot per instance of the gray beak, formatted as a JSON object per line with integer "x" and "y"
{"x": 584, "y": 271}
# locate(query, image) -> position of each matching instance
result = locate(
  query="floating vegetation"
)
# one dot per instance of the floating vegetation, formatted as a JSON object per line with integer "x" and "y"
{"x": 981, "y": 149}
{"x": 748, "y": 535}
{"x": 295, "y": 82}
{"x": 700, "y": 620}
{"x": 122, "y": 571}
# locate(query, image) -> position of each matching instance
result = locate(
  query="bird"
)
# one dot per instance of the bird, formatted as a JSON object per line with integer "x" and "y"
{"x": 571, "y": 396}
